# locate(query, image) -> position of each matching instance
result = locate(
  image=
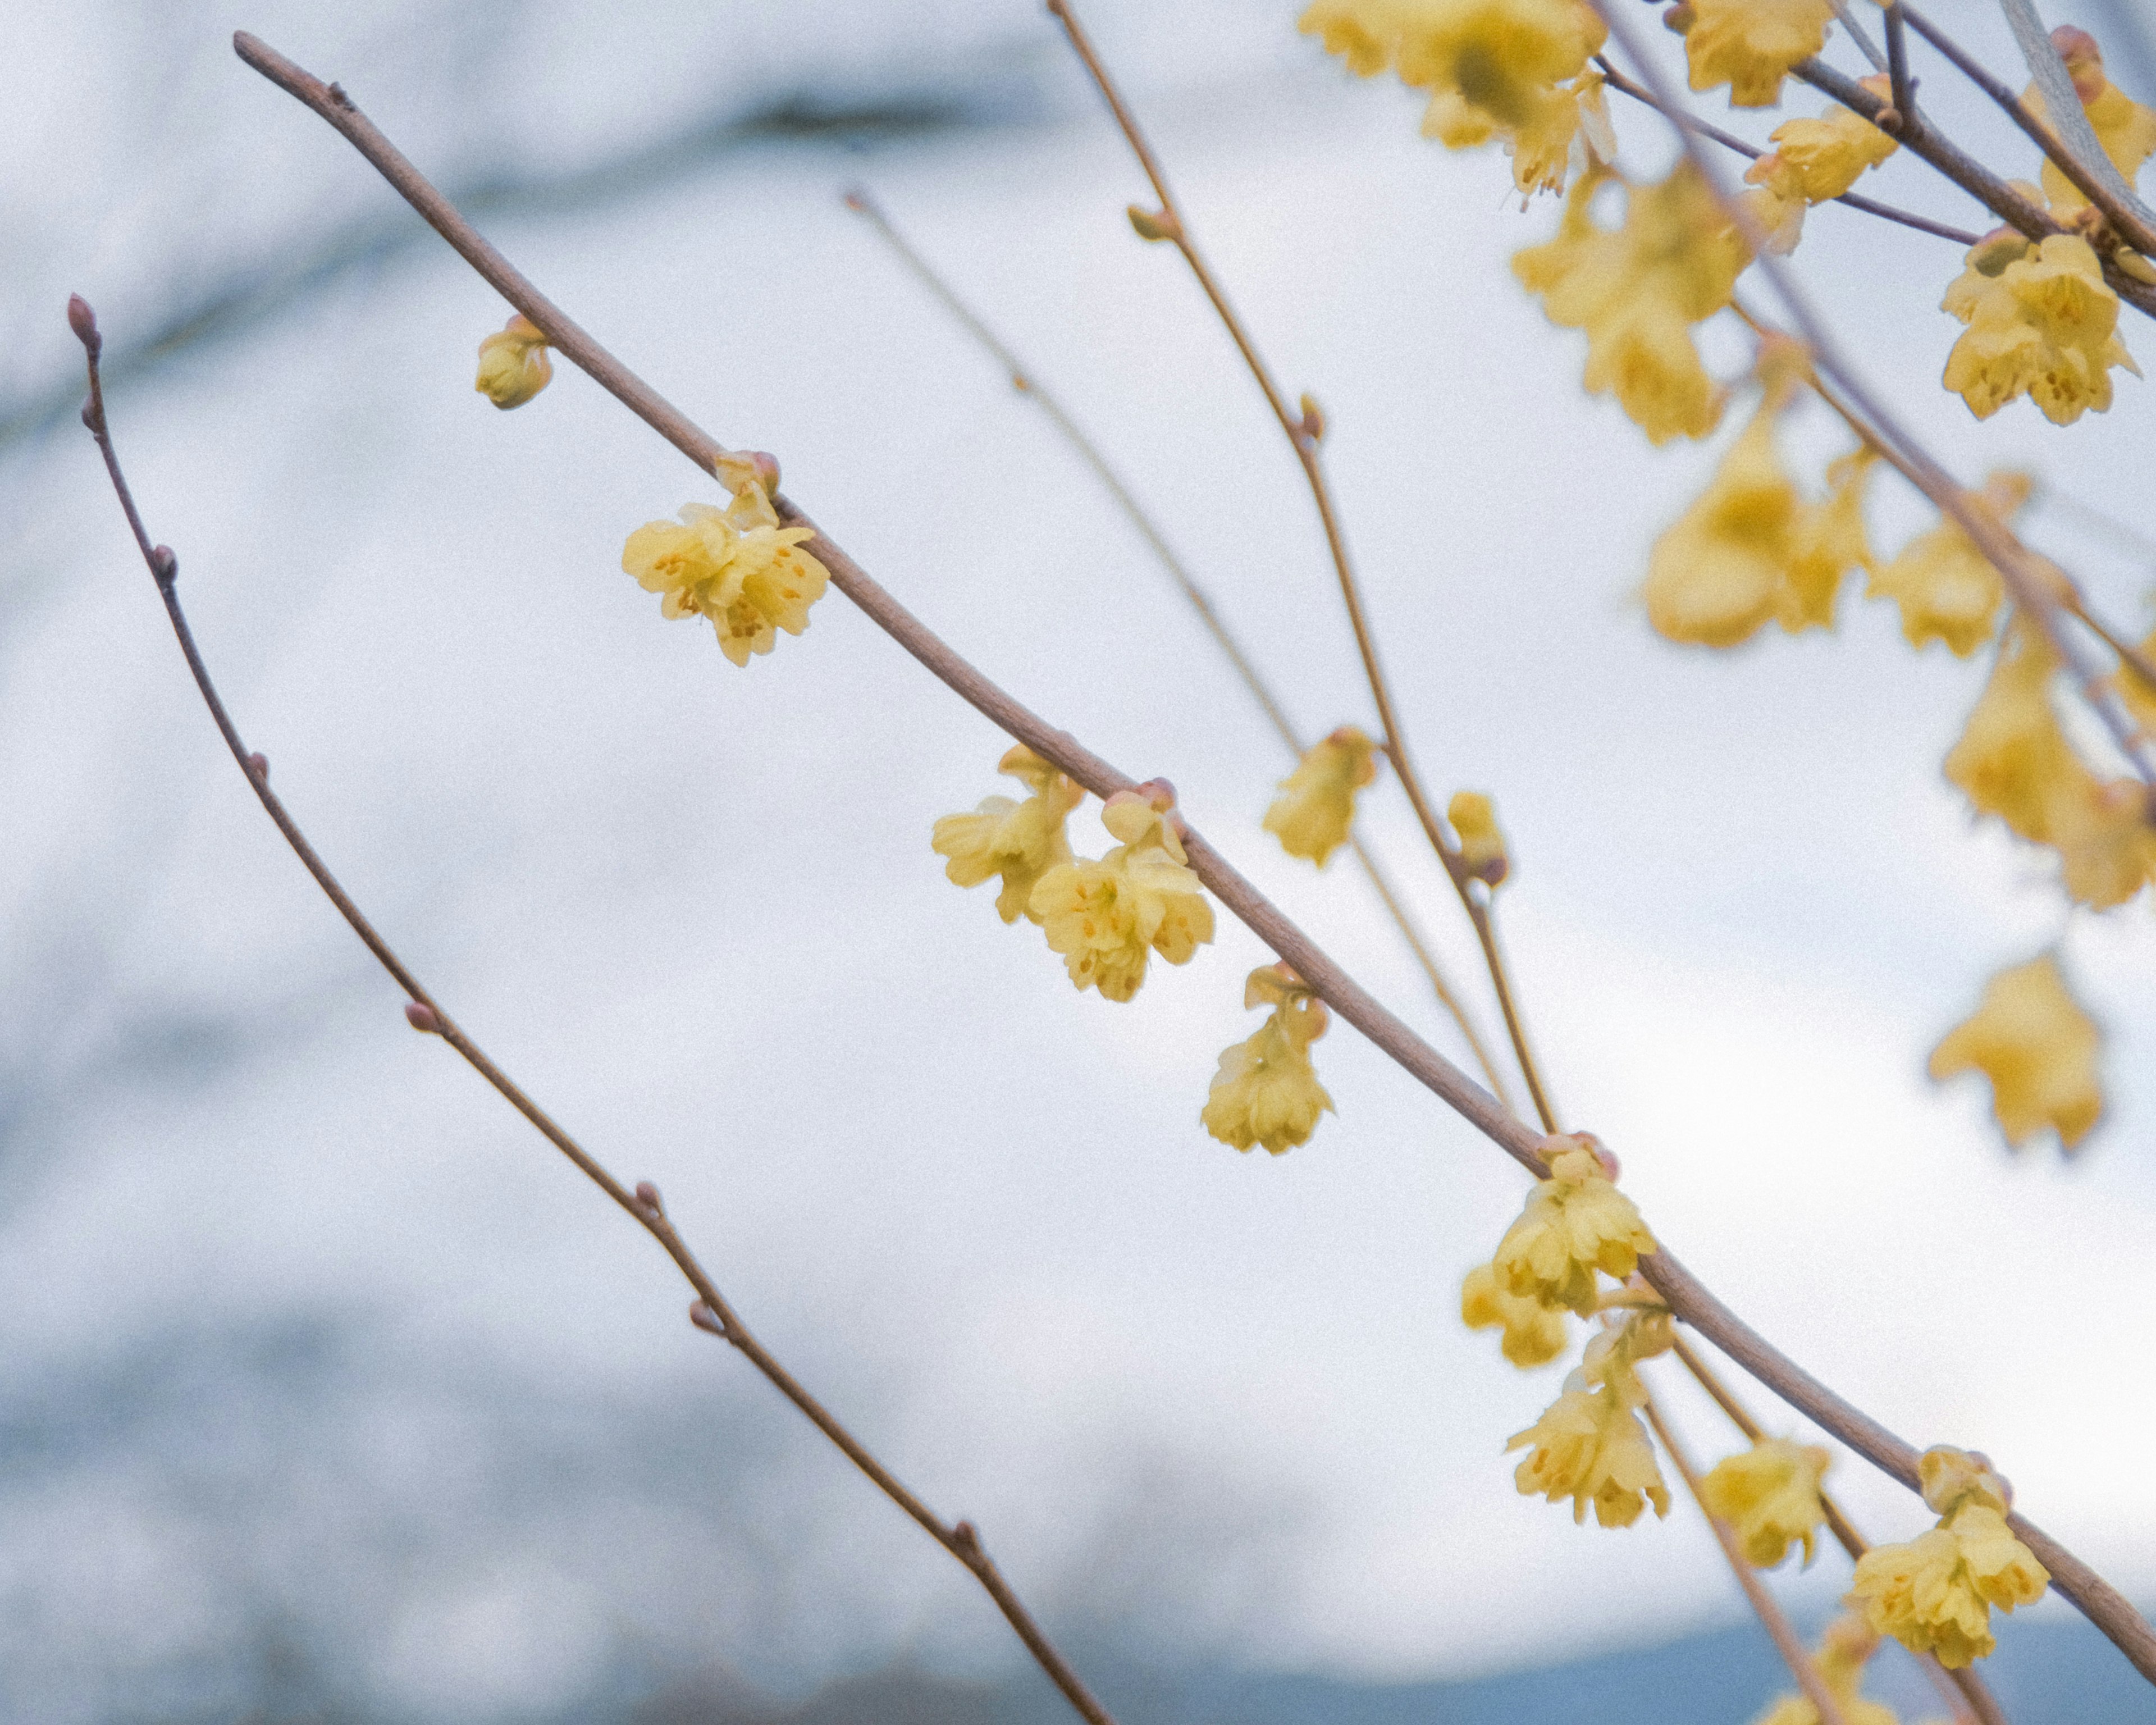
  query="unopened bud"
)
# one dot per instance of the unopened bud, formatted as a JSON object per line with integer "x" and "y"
{"x": 84, "y": 323}
{"x": 1313, "y": 419}
{"x": 704, "y": 1318}
{"x": 1159, "y": 793}
{"x": 164, "y": 564}
{"x": 740, "y": 468}
{"x": 1991, "y": 254}
{"x": 259, "y": 765}
{"x": 1482, "y": 851}
{"x": 2084, "y": 60}
{"x": 513, "y": 363}
{"x": 1679, "y": 18}
{"x": 421, "y": 1017}
{"x": 1603, "y": 1153}
{"x": 647, "y": 1194}
{"x": 1155, "y": 224}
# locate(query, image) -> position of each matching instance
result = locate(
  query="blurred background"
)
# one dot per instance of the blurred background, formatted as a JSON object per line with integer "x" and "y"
{"x": 328, "y": 1392}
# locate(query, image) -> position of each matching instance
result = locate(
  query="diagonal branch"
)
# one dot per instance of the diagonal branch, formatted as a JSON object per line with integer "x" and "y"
{"x": 1686, "y": 1296}
{"x": 710, "y": 1311}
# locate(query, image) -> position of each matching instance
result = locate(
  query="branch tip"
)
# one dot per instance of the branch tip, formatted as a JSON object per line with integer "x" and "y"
{"x": 84, "y": 323}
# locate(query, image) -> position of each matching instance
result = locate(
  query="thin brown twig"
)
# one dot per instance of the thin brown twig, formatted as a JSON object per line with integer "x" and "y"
{"x": 1764, "y": 1605}
{"x": 1685, "y": 1294}
{"x": 1303, "y": 438}
{"x": 1729, "y": 141}
{"x": 1028, "y": 384}
{"x": 1898, "y": 81}
{"x": 711, "y": 1310}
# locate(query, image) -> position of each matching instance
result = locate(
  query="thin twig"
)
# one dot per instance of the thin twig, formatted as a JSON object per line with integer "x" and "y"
{"x": 711, "y": 1310}
{"x": 2110, "y": 191}
{"x": 1729, "y": 141}
{"x": 1865, "y": 45}
{"x": 1028, "y": 384}
{"x": 1764, "y": 1605}
{"x": 1686, "y": 1296}
{"x": 2046, "y": 136}
{"x": 1898, "y": 59}
{"x": 1303, "y": 438}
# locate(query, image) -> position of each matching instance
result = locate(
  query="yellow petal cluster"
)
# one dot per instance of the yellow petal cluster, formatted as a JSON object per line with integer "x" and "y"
{"x": 1107, "y": 917}
{"x": 1844, "y": 1651}
{"x": 1751, "y": 44}
{"x": 1513, "y": 69}
{"x": 2126, "y": 130}
{"x": 1317, "y": 804}
{"x": 1267, "y": 1091}
{"x": 1935, "y": 1593}
{"x": 1770, "y": 1494}
{"x": 736, "y": 566}
{"x": 1946, "y": 588}
{"x": 2042, "y": 324}
{"x": 1575, "y": 1222}
{"x": 1589, "y": 1446}
{"x": 2031, "y": 1039}
{"x": 1533, "y": 1332}
{"x": 1482, "y": 853}
{"x": 1018, "y": 840}
{"x": 1813, "y": 162}
{"x": 1637, "y": 291}
{"x": 514, "y": 365}
{"x": 2013, "y": 760}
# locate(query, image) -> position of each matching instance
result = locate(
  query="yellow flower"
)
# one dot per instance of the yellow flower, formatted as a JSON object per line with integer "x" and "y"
{"x": 513, "y": 363}
{"x": 2031, "y": 1038}
{"x": 1770, "y": 1494}
{"x": 736, "y": 566}
{"x": 1019, "y": 841}
{"x": 1830, "y": 541}
{"x": 1751, "y": 44}
{"x": 1311, "y": 819}
{"x": 1534, "y": 1334}
{"x": 2012, "y": 756}
{"x": 1813, "y": 162}
{"x": 1589, "y": 1446}
{"x": 1575, "y": 1222}
{"x": 1946, "y": 588}
{"x": 1637, "y": 291}
{"x": 1482, "y": 852}
{"x": 2043, "y": 325}
{"x": 1844, "y": 1651}
{"x": 1714, "y": 575}
{"x": 1366, "y": 33}
{"x": 1935, "y": 1593}
{"x": 1948, "y": 1478}
{"x": 1106, "y": 917}
{"x": 2126, "y": 130}
{"x": 1266, "y": 1092}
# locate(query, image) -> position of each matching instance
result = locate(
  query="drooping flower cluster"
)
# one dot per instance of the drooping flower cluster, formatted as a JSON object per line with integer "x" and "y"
{"x": 1534, "y": 1333}
{"x": 1510, "y": 70}
{"x": 1769, "y": 1494}
{"x": 1019, "y": 841}
{"x": 1267, "y": 1091}
{"x": 2042, "y": 323}
{"x": 2031, "y": 1039}
{"x": 1813, "y": 162}
{"x": 1575, "y": 1222}
{"x": 514, "y": 365}
{"x": 1590, "y": 1445}
{"x": 1934, "y": 1594}
{"x": 1844, "y": 1650}
{"x": 1317, "y": 804}
{"x": 1751, "y": 44}
{"x": 736, "y": 566}
{"x": 1946, "y": 588}
{"x": 1637, "y": 291}
{"x": 1108, "y": 917}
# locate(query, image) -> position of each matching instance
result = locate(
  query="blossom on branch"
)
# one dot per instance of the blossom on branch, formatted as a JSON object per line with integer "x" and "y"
{"x": 1946, "y": 588}
{"x": 1107, "y": 917}
{"x": 2125, "y": 129}
{"x": 2042, "y": 323}
{"x": 1019, "y": 841}
{"x": 2031, "y": 1039}
{"x": 1267, "y": 1091}
{"x": 1770, "y": 1494}
{"x": 513, "y": 363}
{"x": 1482, "y": 853}
{"x": 1575, "y": 1222}
{"x": 1534, "y": 1333}
{"x": 1590, "y": 1445}
{"x": 1813, "y": 162}
{"x": 1312, "y": 815}
{"x": 1751, "y": 44}
{"x": 736, "y": 566}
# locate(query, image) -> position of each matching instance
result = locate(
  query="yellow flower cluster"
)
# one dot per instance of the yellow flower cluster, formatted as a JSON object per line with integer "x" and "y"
{"x": 2042, "y": 323}
{"x": 1267, "y": 1091}
{"x": 1946, "y": 588}
{"x": 2031, "y": 1038}
{"x": 1934, "y": 1594}
{"x": 1813, "y": 162}
{"x": 1317, "y": 804}
{"x": 736, "y": 566}
{"x": 513, "y": 363}
{"x": 2014, "y": 760}
{"x": 1575, "y": 1222}
{"x": 1533, "y": 1332}
{"x": 1106, "y": 918}
{"x": 1637, "y": 291}
{"x": 1770, "y": 1494}
{"x": 2126, "y": 130}
{"x": 1590, "y": 1445}
{"x": 1844, "y": 1651}
{"x": 1513, "y": 69}
{"x": 1751, "y": 44}
{"x": 1019, "y": 841}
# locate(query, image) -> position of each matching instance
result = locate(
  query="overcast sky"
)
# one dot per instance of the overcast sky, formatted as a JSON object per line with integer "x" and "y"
{"x": 307, "y": 1337}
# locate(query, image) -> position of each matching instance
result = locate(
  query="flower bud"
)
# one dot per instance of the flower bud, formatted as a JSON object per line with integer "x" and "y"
{"x": 2084, "y": 61}
{"x": 1155, "y": 224}
{"x": 513, "y": 365}
{"x": 84, "y": 323}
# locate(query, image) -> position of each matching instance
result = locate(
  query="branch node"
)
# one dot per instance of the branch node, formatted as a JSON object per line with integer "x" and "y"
{"x": 338, "y": 98}
{"x": 967, "y": 1538}
{"x": 704, "y": 1318}
{"x": 647, "y": 1194}
{"x": 259, "y": 765}
{"x": 420, "y": 1016}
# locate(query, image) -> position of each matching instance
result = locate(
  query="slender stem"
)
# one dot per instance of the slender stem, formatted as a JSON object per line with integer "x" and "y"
{"x": 1764, "y": 1604}
{"x": 1686, "y": 1296}
{"x": 1303, "y": 438}
{"x": 1898, "y": 59}
{"x": 2129, "y": 655}
{"x": 1028, "y": 385}
{"x": 711, "y": 1310}
{"x": 1865, "y": 44}
{"x": 2045, "y": 136}
{"x": 1729, "y": 141}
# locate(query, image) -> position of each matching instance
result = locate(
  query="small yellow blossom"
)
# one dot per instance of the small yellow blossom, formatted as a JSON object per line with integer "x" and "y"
{"x": 2126, "y": 130}
{"x": 1575, "y": 1222}
{"x": 1935, "y": 1593}
{"x": 1637, "y": 291}
{"x": 1947, "y": 1478}
{"x": 513, "y": 363}
{"x": 1770, "y": 1494}
{"x": 1482, "y": 853}
{"x": 1267, "y": 1091}
{"x": 736, "y": 566}
{"x": 1844, "y": 1651}
{"x": 1107, "y": 917}
{"x": 2043, "y": 323}
{"x": 1830, "y": 541}
{"x": 1534, "y": 1334}
{"x": 1751, "y": 44}
{"x": 1589, "y": 1446}
{"x": 1018, "y": 840}
{"x": 1946, "y": 588}
{"x": 1714, "y": 575}
{"x": 1311, "y": 818}
{"x": 1813, "y": 162}
{"x": 2032, "y": 1039}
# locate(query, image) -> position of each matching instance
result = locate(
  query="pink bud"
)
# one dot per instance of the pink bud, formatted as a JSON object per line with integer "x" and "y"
{"x": 421, "y": 1017}
{"x": 259, "y": 765}
{"x": 84, "y": 323}
{"x": 647, "y": 1194}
